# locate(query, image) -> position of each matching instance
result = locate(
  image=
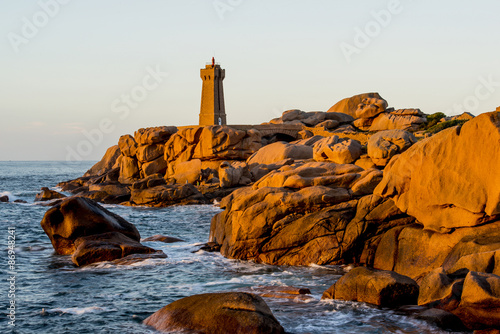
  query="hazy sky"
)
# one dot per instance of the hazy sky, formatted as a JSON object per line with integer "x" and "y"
{"x": 75, "y": 75}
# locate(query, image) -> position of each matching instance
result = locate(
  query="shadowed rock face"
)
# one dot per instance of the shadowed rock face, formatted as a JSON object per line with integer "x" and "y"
{"x": 106, "y": 247}
{"x": 382, "y": 288}
{"x": 217, "y": 313}
{"x": 474, "y": 297}
{"x": 447, "y": 181}
{"x": 78, "y": 217}
{"x": 46, "y": 195}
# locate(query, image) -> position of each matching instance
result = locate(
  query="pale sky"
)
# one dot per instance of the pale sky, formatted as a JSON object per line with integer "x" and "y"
{"x": 77, "y": 74}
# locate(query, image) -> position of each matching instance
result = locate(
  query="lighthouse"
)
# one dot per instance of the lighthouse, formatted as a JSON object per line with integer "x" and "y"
{"x": 212, "y": 111}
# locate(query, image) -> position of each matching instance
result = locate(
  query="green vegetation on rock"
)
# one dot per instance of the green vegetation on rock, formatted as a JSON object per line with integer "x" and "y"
{"x": 444, "y": 125}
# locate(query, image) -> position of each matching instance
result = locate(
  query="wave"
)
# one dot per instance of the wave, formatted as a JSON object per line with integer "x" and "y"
{"x": 78, "y": 310}
{"x": 11, "y": 196}
{"x": 112, "y": 265}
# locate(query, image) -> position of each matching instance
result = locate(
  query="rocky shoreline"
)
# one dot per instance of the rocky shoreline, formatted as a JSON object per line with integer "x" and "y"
{"x": 395, "y": 191}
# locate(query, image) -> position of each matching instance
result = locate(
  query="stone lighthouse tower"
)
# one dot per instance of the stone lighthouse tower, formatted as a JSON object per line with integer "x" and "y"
{"x": 212, "y": 110}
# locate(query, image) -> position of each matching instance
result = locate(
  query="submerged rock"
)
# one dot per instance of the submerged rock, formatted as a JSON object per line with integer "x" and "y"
{"x": 443, "y": 319}
{"x": 217, "y": 313}
{"x": 162, "y": 238}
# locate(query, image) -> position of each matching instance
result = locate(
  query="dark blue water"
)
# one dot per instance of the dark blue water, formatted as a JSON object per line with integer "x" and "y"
{"x": 53, "y": 296}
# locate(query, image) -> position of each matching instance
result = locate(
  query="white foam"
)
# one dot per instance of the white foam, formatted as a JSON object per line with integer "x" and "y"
{"x": 112, "y": 265}
{"x": 78, "y": 310}
{"x": 12, "y": 198}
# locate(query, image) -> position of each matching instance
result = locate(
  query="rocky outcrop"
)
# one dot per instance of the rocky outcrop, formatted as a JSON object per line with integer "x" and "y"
{"x": 78, "y": 217}
{"x": 383, "y": 145}
{"x": 4, "y": 199}
{"x": 450, "y": 169}
{"x": 302, "y": 214}
{"x": 110, "y": 160}
{"x": 217, "y": 313}
{"x": 382, "y": 288}
{"x": 47, "y": 195}
{"x": 165, "y": 195}
{"x": 212, "y": 143}
{"x": 371, "y": 114}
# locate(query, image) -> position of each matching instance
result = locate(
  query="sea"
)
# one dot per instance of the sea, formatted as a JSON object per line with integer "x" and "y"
{"x": 42, "y": 292}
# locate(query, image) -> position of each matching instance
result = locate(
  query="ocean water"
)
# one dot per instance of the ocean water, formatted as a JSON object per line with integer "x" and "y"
{"x": 54, "y": 296}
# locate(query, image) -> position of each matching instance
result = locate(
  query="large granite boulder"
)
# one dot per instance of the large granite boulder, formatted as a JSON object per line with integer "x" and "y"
{"x": 129, "y": 170}
{"x": 188, "y": 171}
{"x": 107, "y": 247}
{"x": 350, "y": 105}
{"x": 383, "y": 145}
{"x": 446, "y": 181}
{"x": 472, "y": 296}
{"x": 278, "y": 151}
{"x": 382, "y": 288}
{"x": 371, "y": 107}
{"x": 233, "y": 175}
{"x": 480, "y": 301}
{"x": 78, "y": 217}
{"x": 401, "y": 119}
{"x": 158, "y": 165}
{"x": 338, "y": 150}
{"x": 439, "y": 290}
{"x": 128, "y": 146}
{"x": 147, "y": 153}
{"x": 217, "y": 313}
{"x": 154, "y": 135}
{"x": 320, "y": 119}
